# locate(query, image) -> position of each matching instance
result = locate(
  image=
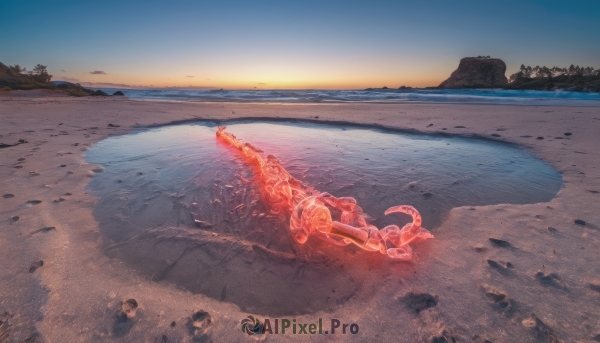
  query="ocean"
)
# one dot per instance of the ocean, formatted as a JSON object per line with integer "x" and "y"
{"x": 474, "y": 96}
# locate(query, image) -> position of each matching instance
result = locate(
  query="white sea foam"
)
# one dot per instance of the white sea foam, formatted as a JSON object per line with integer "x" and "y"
{"x": 481, "y": 96}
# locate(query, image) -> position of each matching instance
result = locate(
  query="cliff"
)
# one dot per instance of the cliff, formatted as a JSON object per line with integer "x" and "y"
{"x": 477, "y": 72}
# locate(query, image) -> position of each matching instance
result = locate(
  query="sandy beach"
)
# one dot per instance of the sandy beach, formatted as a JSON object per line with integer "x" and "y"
{"x": 540, "y": 283}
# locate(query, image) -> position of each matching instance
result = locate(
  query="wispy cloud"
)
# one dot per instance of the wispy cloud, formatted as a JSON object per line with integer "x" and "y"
{"x": 97, "y": 72}
{"x": 190, "y": 76}
{"x": 64, "y": 71}
{"x": 68, "y": 79}
{"x": 262, "y": 83}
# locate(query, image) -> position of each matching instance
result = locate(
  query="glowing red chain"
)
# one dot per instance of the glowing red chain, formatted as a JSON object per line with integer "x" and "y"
{"x": 309, "y": 209}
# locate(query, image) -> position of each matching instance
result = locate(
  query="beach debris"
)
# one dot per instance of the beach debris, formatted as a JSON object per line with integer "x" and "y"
{"x": 123, "y": 319}
{"x": 309, "y": 209}
{"x": 14, "y": 218}
{"x": 551, "y": 229}
{"x": 460, "y": 127}
{"x": 199, "y": 322}
{"x": 540, "y": 137}
{"x": 579, "y": 222}
{"x": 35, "y": 265}
{"x": 6, "y": 196}
{"x": 568, "y": 133}
{"x": 113, "y": 125}
{"x": 500, "y": 243}
{"x": 128, "y": 308}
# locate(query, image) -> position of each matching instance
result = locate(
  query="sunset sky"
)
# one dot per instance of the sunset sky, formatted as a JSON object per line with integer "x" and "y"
{"x": 291, "y": 44}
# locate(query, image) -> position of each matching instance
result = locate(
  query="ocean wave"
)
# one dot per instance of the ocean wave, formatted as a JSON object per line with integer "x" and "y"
{"x": 480, "y": 96}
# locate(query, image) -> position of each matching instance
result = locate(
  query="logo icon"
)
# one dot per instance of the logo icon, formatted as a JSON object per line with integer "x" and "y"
{"x": 251, "y": 326}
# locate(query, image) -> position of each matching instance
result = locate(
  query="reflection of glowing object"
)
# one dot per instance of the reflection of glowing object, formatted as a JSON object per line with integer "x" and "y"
{"x": 310, "y": 209}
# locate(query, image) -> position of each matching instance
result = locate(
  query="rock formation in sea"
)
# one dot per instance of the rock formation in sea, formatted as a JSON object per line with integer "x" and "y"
{"x": 477, "y": 72}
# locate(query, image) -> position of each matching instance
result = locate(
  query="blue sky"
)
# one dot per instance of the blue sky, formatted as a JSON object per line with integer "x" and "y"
{"x": 291, "y": 44}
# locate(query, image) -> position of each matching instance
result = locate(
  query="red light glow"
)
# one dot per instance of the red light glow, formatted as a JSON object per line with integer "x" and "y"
{"x": 310, "y": 210}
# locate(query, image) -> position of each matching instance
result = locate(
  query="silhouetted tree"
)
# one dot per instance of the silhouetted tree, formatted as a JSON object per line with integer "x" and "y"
{"x": 41, "y": 73}
{"x": 17, "y": 69}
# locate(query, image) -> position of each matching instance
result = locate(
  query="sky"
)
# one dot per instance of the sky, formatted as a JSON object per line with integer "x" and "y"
{"x": 291, "y": 44}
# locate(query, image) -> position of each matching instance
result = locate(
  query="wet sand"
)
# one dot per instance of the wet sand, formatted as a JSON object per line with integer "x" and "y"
{"x": 536, "y": 280}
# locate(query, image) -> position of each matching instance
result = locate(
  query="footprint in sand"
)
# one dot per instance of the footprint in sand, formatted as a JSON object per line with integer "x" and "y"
{"x": 500, "y": 243}
{"x": 35, "y": 265}
{"x": 501, "y": 266}
{"x": 417, "y": 302}
{"x": 542, "y": 331}
{"x": 496, "y": 297}
{"x": 30, "y": 203}
{"x": 550, "y": 280}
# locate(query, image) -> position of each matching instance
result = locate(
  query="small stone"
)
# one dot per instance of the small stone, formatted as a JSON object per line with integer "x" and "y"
{"x": 540, "y": 137}
{"x": 551, "y": 229}
{"x": 14, "y": 218}
{"x": 580, "y": 222}
{"x": 568, "y": 133}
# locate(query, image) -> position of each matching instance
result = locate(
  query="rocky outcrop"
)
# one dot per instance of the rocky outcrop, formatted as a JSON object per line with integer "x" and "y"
{"x": 477, "y": 72}
{"x": 118, "y": 93}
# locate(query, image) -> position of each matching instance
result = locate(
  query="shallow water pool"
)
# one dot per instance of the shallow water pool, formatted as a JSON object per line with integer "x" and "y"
{"x": 157, "y": 182}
